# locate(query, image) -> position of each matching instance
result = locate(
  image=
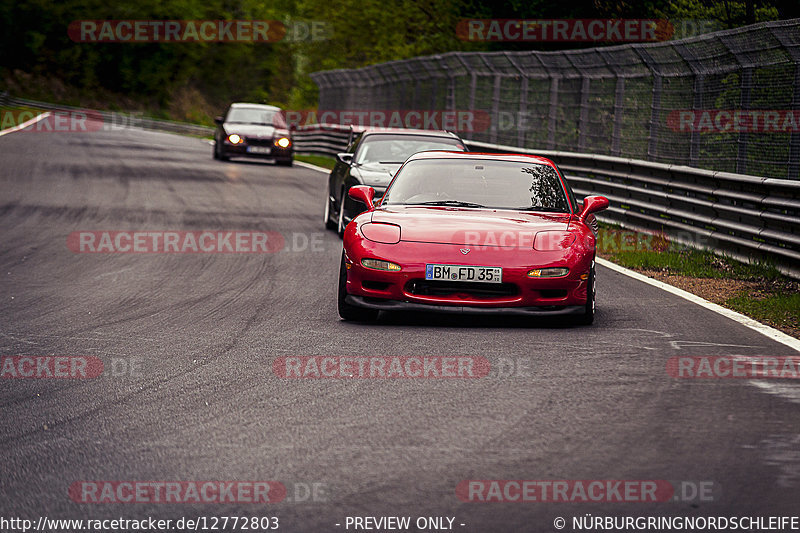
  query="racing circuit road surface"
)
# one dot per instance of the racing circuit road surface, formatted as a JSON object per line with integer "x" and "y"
{"x": 188, "y": 343}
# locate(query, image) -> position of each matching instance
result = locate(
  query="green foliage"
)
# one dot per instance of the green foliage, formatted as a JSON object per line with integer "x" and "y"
{"x": 782, "y": 309}
{"x": 190, "y": 80}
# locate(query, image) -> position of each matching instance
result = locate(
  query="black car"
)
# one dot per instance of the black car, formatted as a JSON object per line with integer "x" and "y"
{"x": 371, "y": 158}
{"x": 253, "y": 130}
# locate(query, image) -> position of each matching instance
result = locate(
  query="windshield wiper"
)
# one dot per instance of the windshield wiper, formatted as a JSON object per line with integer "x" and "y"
{"x": 391, "y": 162}
{"x": 539, "y": 208}
{"x": 454, "y": 203}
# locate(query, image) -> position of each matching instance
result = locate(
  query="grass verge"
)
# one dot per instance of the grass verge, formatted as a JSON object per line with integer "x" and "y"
{"x": 319, "y": 160}
{"x": 757, "y": 290}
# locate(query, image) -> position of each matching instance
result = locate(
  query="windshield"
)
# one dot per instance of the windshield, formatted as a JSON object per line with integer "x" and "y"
{"x": 479, "y": 183}
{"x": 254, "y": 115}
{"x": 398, "y": 148}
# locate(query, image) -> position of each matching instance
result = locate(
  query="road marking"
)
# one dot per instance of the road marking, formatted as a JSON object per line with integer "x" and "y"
{"x": 311, "y": 167}
{"x": 25, "y": 124}
{"x": 765, "y": 330}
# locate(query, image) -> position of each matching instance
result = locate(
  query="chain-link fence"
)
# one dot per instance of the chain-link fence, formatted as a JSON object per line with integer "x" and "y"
{"x": 727, "y": 101}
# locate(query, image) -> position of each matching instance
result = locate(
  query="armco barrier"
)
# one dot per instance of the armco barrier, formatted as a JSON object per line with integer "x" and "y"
{"x": 310, "y": 139}
{"x": 744, "y": 217}
{"x": 138, "y": 121}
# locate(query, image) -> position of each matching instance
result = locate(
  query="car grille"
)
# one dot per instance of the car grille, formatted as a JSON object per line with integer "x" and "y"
{"x": 254, "y": 141}
{"x": 421, "y": 287}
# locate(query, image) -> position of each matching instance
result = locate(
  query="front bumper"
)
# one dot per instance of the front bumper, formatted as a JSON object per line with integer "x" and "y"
{"x": 407, "y": 289}
{"x": 394, "y": 305}
{"x": 271, "y": 152}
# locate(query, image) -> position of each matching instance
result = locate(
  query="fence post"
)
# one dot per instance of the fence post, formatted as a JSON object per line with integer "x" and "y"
{"x": 655, "y": 105}
{"x": 553, "y": 113}
{"x": 697, "y": 101}
{"x": 583, "y": 117}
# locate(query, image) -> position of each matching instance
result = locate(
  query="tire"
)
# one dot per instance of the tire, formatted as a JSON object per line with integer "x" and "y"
{"x": 587, "y": 317}
{"x": 347, "y": 311}
{"x": 329, "y": 224}
{"x": 214, "y": 151}
{"x": 220, "y": 155}
{"x": 340, "y": 225}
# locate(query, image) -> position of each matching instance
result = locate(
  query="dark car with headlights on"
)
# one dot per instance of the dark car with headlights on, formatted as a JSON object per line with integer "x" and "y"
{"x": 253, "y": 130}
{"x": 371, "y": 158}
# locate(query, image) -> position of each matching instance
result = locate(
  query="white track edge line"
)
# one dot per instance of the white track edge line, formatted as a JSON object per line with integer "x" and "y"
{"x": 311, "y": 167}
{"x": 25, "y": 124}
{"x": 765, "y": 330}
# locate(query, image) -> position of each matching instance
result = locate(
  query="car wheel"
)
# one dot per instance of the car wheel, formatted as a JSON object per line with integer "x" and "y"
{"x": 214, "y": 151}
{"x": 329, "y": 224}
{"x": 587, "y": 317}
{"x": 340, "y": 224}
{"x": 220, "y": 155}
{"x": 347, "y": 311}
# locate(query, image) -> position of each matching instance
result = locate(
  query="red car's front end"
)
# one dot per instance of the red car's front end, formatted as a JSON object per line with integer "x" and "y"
{"x": 464, "y": 259}
{"x": 469, "y": 239}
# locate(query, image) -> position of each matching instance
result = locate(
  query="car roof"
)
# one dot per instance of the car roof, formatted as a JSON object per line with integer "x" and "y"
{"x": 485, "y": 156}
{"x": 256, "y": 106}
{"x": 405, "y": 131}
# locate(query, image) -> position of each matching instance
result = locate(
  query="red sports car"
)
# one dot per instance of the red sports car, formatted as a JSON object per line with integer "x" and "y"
{"x": 475, "y": 233}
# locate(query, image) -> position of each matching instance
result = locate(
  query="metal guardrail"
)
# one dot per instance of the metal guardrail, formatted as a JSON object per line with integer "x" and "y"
{"x": 113, "y": 118}
{"x": 743, "y": 217}
{"x": 329, "y": 139}
{"x": 326, "y": 139}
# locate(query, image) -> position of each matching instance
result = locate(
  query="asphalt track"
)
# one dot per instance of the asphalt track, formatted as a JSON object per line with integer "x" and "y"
{"x": 203, "y": 403}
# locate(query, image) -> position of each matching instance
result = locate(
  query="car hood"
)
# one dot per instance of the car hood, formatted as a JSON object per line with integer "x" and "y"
{"x": 375, "y": 175}
{"x": 463, "y": 226}
{"x": 261, "y": 131}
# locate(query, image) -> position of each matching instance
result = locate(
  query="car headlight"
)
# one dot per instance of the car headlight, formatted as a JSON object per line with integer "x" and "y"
{"x": 234, "y": 139}
{"x": 553, "y": 240}
{"x": 378, "y": 264}
{"x": 283, "y": 142}
{"x": 552, "y": 272}
{"x": 381, "y": 232}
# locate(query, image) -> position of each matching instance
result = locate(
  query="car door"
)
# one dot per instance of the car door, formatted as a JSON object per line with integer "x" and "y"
{"x": 340, "y": 175}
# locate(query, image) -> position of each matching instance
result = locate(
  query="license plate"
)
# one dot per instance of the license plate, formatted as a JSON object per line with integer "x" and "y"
{"x": 478, "y": 274}
{"x": 258, "y": 150}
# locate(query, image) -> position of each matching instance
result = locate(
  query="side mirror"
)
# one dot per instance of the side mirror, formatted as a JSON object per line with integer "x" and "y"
{"x": 363, "y": 194}
{"x": 592, "y": 204}
{"x": 219, "y": 120}
{"x": 344, "y": 157}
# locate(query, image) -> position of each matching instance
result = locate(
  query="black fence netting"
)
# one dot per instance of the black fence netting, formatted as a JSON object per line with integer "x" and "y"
{"x": 726, "y": 101}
